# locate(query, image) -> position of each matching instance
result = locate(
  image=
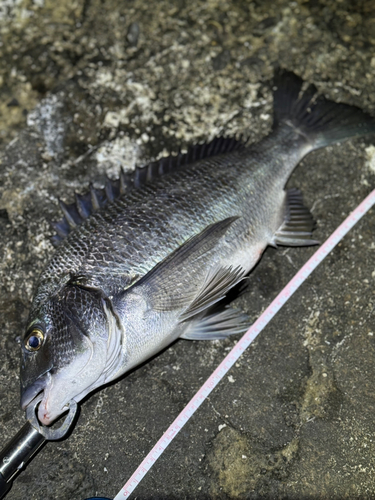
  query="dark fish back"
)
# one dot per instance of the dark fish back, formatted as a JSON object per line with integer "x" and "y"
{"x": 123, "y": 240}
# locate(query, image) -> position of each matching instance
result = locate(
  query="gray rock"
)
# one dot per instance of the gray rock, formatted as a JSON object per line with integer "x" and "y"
{"x": 133, "y": 34}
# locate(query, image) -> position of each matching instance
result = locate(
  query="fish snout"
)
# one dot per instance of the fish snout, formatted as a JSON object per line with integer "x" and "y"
{"x": 38, "y": 395}
{"x": 31, "y": 391}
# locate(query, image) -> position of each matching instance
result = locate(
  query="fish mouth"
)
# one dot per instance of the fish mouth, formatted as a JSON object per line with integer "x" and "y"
{"x": 32, "y": 391}
{"x": 38, "y": 394}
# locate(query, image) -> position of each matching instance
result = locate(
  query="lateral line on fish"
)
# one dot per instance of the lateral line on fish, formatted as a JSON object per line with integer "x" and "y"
{"x": 243, "y": 343}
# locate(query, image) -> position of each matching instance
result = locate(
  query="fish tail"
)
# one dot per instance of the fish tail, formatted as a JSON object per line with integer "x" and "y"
{"x": 320, "y": 121}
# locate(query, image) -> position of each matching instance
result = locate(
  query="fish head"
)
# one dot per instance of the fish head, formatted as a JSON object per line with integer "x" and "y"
{"x": 65, "y": 350}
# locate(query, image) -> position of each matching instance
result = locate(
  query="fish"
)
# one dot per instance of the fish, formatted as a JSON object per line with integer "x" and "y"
{"x": 149, "y": 258}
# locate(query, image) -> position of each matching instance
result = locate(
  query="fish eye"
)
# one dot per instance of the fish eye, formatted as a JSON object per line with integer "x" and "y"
{"x": 35, "y": 340}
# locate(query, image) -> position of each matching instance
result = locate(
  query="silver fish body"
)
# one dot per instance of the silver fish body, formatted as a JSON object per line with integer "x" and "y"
{"x": 132, "y": 276}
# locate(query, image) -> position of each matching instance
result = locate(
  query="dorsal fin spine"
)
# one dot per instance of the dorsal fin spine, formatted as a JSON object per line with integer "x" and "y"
{"x": 68, "y": 216}
{"x": 94, "y": 198}
{"x": 82, "y": 206}
{"x": 88, "y": 203}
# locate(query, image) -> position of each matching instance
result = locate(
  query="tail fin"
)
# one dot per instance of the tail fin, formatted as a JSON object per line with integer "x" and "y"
{"x": 321, "y": 121}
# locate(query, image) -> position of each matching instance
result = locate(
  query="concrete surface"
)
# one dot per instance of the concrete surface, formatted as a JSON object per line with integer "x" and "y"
{"x": 89, "y": 85}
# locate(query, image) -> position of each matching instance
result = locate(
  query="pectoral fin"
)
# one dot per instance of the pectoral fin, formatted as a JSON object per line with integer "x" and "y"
{"x": 217, "y": 284}
{"x": 171, "y": 284}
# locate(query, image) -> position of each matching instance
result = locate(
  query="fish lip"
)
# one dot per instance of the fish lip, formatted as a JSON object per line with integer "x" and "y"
{"x": 32, "y": 391}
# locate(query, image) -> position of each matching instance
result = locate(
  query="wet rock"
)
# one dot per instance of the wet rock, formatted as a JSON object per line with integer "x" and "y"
{"x": 221, "y": 60}
{"x": 133, "y": 34}
{"x": 13, "y": 103}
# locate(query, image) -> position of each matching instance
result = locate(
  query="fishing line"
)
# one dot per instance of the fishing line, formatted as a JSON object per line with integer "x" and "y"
{"x": 242, "y": 344}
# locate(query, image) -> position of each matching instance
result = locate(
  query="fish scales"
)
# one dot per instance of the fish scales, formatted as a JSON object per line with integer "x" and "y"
{"x": 128, "y": 238}
{"x": 153, "y": 263}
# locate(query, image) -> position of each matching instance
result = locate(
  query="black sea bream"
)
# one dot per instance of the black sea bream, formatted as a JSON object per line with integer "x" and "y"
{"x": 142, "y": 262}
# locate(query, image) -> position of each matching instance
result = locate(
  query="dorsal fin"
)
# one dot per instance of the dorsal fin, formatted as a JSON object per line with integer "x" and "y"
{"x": 87, "y": 203}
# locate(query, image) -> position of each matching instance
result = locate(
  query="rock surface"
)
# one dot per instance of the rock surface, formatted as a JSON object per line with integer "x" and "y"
{"x": 88, "y": 86}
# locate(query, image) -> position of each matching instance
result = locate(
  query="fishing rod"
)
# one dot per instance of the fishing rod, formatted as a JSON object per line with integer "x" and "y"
{"x": 28, "y": 441}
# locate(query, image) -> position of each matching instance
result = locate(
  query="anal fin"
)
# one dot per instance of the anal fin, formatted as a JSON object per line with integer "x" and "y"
{"x": 296, "y": 230}
{"x": 217, "y": 326}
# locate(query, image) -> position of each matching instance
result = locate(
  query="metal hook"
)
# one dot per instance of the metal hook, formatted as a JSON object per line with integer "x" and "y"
{"x": 47, "y": 432}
